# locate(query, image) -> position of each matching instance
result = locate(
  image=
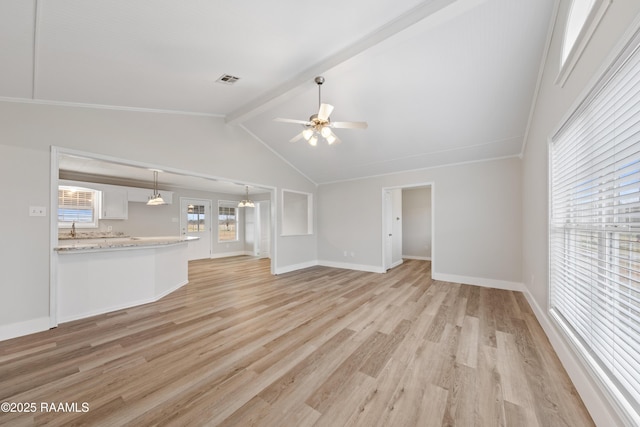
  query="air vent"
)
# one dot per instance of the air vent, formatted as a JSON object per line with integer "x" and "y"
{"x": 227, "y": 79}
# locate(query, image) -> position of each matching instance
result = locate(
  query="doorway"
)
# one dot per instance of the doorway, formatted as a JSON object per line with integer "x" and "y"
{"x": 257, "y": 223}
{"x": 407, "y": 224}
{"x": 392, "y": 228}
{"x": 195, "y": 221}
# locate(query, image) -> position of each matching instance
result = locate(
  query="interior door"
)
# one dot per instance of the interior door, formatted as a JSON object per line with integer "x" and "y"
{"x": 264, "y": 229}
{"x": 257, "y": 223}
{"x": 388, "y": 229}
{"x": 195, "y": 221}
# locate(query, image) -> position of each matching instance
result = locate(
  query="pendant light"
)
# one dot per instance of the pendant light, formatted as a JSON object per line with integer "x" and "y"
{"x": 246, "y": 203}
{"x": 155, "y": 199}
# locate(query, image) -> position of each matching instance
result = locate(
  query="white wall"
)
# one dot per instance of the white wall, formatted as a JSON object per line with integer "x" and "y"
{"x": 416, "y": 223}
{"x": 24, "y": 254}
{"x": 553, "y": 103}
{"x": 476, "y": 212}
{"x": 203, "y": 145}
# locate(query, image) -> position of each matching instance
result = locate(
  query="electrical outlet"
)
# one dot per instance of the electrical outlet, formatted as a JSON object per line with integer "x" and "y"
{"x": 37, "y": 211}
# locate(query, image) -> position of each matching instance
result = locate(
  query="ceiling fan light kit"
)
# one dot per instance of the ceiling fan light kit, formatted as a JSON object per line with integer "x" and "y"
{"x": 319, "y": 125}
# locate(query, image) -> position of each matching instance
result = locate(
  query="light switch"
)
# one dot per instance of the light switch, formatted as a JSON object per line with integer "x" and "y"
{"x": 37, "y": 211}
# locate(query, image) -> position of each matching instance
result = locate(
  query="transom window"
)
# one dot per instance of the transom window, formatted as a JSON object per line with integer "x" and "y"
{"x": 583, "y": 18}
{"x": 227, "y": 221}
{"x": 578, "y": 15}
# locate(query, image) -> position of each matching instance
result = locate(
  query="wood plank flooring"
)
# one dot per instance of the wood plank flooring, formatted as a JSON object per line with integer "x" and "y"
{"x": 317, "y": 347}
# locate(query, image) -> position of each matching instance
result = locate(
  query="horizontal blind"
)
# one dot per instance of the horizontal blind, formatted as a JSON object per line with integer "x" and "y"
{"x": 76, "y": 205}
{"x": 595, "y": 231}
{"x": 75, "y": 199}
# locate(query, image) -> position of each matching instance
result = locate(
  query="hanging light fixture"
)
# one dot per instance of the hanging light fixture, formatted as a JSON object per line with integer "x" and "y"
{"x": 155, "y": 199}
{"x": 246, "y": 203}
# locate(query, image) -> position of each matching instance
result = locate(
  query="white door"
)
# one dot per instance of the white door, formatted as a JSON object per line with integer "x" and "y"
{"x": 262, "y": 229}
{"x": 250, "y": 228}
{"x": 257, "y": 226}
{"x": 388, "y": 229}
{"x": 195, "y": 221}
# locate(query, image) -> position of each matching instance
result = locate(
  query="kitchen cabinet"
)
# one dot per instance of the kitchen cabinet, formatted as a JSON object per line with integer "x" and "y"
{"x": 114, "y": 203}
{"x": 103, "y": 279}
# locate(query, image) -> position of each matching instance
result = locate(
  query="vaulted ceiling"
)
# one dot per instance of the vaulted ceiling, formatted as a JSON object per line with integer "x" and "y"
{"x": 439, "y": 82}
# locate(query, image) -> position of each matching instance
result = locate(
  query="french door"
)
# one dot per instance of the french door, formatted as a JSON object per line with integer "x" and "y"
{"x": 195, "y": 221}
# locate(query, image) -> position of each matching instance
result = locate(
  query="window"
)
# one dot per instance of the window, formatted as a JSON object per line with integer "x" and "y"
{"x": 77, "y": 205}
{"x": 227, "y": 221}
{"x": 196, "y": 218}
{"x": 594, "y": 230}
{"x": 583, "y": 18}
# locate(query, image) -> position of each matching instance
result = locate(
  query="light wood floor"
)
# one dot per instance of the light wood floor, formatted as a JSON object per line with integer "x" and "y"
{"x": 322, "y": 346}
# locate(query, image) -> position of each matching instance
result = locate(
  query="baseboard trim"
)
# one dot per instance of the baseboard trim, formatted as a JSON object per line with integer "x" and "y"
{"x": 349, "y": 266}
{"x": 397, "y": 263}
{"x": 230, "y": 254}
{"x": 27, "y": 327}
{"x": 419, "y": 258}
{"x": 480, "y": 281}
{"x": 294, "y": 267}
{"x": 333, "y": 264}
{"x": 596, "y": 403}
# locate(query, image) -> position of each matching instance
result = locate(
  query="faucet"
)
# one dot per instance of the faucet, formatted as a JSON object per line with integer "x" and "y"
{"x": 73, "y": 229}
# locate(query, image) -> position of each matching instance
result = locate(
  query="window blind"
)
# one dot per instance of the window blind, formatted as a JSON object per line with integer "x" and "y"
{"x": 75, "y": 205}
{"x": 594, "y": 241}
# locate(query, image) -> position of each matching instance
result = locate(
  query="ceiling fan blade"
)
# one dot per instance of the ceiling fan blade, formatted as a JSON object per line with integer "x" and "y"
{"x": 296, "y": 138}
{"x": 299, "y": 122}
{"x": 325, "y": 111}
{"x": 349, "y": 125}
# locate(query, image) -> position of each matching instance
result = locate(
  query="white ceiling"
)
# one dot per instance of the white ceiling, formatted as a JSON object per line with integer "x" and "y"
{"x": 439, "y": 82}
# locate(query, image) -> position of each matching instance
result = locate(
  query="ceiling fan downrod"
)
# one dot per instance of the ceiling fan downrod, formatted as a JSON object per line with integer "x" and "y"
{"x": 319, "y": 80}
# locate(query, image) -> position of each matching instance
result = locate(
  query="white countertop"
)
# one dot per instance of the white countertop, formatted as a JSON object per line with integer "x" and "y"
{"x": 119, "y": 243}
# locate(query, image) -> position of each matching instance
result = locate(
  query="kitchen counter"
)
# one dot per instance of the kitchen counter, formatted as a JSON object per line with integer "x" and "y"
{"x": 96, "y": 276}
{"x": 114, "y": 243}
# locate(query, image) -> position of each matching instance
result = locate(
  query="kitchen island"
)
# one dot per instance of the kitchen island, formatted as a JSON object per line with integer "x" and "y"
{"x": 96, "y": 276}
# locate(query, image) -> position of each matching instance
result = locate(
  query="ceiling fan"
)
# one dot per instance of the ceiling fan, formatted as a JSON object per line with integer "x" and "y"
{"x": 320, "y": 125}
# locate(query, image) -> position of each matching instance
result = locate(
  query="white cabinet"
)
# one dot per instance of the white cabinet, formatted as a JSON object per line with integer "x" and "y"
{"x": 114, "y": 204}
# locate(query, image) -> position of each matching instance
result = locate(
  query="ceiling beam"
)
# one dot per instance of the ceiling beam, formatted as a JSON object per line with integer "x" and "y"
{"x": 431, "y": 12}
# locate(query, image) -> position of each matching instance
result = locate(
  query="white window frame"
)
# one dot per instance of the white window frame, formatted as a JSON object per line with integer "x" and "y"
{"x": 297, "y": 217}
{"x": 594, "y": 190}
{"x": 228, "y": 204}
{"x": 95, "y": 208}
{"x": 588, "y": 27}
